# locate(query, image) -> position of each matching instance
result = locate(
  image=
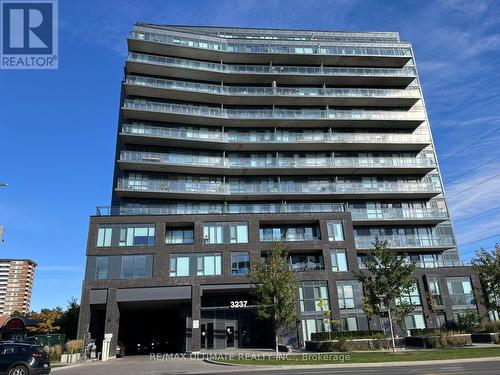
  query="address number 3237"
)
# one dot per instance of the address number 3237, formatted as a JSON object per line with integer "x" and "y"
{"x": 238, "y": 304}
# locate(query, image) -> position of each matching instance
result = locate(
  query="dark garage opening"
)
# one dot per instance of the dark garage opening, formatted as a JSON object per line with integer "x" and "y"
{"x": 153, "y": 327}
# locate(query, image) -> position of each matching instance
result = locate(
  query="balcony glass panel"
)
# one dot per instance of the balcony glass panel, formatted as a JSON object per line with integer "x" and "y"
{"x": 267, "y": 69}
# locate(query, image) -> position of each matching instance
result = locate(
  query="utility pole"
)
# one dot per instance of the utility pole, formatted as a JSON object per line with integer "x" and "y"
{"x": 2, "y": 228}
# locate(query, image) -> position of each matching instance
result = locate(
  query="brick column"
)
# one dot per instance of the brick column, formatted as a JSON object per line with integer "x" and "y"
{"x": 195, "y": 315}
{"x": 478, "y": 292}
{"x": 84, "y": 316}
{"x": 446, "y": 298}
{"x": 112, "y": 322}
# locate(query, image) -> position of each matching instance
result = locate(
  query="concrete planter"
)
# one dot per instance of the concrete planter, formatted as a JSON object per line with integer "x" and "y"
{"x": 354, "y": 344}
{"x": 439, "y": 341}
{"x": 71, "y": 358}
{"x": 486, "y": 338}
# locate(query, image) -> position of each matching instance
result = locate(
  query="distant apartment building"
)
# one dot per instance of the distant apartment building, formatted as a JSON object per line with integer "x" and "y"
{"x": 230, "y": 139}
{"x": 16, "y": 284}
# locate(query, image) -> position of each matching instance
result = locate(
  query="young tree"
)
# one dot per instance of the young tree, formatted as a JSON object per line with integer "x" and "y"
{"x": 387, "y": 279}
{"x": 275, "y": 288}
{"x": 487, "y": 264}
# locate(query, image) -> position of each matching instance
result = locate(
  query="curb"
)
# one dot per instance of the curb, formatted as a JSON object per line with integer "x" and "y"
{"x": 355, "y": 365}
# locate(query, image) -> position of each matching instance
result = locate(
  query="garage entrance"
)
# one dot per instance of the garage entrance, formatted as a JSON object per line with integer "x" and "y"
{"x": 153, "y": 326}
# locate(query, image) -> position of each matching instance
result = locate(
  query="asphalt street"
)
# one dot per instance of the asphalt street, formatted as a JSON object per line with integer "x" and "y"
{"x": 142, "y": 365}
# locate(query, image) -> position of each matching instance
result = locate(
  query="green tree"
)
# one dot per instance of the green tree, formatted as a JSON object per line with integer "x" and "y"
{"x": 275, "y": 290}
{"x": 68, "y": 322}
{"x": 387, "y": 279}
{"x": 487, "y": 264}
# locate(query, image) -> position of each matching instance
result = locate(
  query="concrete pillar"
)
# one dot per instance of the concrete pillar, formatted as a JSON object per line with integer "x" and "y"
{"x": 195, "y": 316}
{"x": 112, "y": 321}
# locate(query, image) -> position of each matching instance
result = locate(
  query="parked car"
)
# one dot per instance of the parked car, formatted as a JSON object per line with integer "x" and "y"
{"x": 23, "y": 359}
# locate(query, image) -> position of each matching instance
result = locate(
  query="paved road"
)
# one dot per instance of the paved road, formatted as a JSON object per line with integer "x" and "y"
{"x": 142, "y": 365}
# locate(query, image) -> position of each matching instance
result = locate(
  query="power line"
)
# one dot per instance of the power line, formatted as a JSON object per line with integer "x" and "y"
{"x": 472, "y": 170}
{"x": 469, "y": 146}
{"x": 479, "y": 214}
{"x": 479, "y": 240}
{"x": 473, "y": 186}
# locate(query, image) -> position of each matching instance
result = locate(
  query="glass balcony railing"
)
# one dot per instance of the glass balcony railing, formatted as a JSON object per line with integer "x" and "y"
{"x": 276, "y": 114}
{"x": 272, "y": 91}
{"x": 279, "y": 162}
{"x": 287, "y": 237}
{"x": 269, "y": 69}
{"x": 158, "y": 185}
{"x": 435, "y": 264}
{"x": 264, "y": 208}
{"x": 465, "y": 299}
{"x": 215, "y": 135}
{"x": 273, "y": 47}
{"x": 397, "y": 213}
{"x": 410, "y": 241}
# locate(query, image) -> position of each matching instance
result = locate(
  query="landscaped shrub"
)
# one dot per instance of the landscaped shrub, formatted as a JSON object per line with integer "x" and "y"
{"x": 348, "y": 335}
{"x": 491, "y": 327}
{"x": 74, "y": 346}
{"x": 54, "y": 352}
{"x": 469, "y": 321}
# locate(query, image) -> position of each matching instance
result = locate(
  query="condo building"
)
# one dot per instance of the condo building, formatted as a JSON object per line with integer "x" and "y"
{"x": 229, "y": 139}
{"x": 16, "y": 284}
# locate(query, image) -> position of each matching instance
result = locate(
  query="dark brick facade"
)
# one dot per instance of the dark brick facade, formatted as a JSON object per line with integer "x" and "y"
{"x": 162, "y": 251}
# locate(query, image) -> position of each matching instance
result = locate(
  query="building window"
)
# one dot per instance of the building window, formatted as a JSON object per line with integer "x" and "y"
{"x": 412, "y": 297}
{"x": 415, "y": 321}
{"x": 217, "y": 233}
{"x": 435, "y": 290}
{"x": 101, "y": 268}
{"x": 349, "y": 323}
{"x": 460, "y": 289}
{"x": 104, "y": 237}
{"x": 134, "y": 266}
{"x": 335, "y": 230}
{"x": 310, "y": 295}
{"x": 179, "y": 236}
{"x": 289, "y": 233}
{"x": 339, "y": 260}
{"x": 179, "y": 265}
{"x": 346, "y": 296}
{"x": 238, "y": 233}
{"x": 240, "y": 263}
{"x": 209, "y": 264}
{"x": 126, "y": 235}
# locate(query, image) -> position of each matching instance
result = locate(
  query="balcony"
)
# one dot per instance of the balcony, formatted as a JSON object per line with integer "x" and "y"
{"x": 407, "y": 242}
{"x": 178, "y": 163}
{"x": 187, "y": 45}
{"x": 466, "y": 299}
{"x": 192, "y": 114}
{"x": 364, "y": 216}
{"x": 253, "y": 95}
{"x": 166, "y": 189}
{"x": 216, "y": 139}
{"x": 139, "y": 63}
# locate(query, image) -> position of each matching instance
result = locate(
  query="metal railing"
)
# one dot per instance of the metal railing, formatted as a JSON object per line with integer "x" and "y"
{"x": 273, "y": 47}
{"x": 366, "y": 242}
{"x": 397, "y": 213}
{"x": 271, "y": 91}
{"x": 279, "y": 162}
{"x": 213, "y": 135}
{"x": 271, "y": 69}
{"x": 265, "y": 114}
{"x": 158, "y": 185}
